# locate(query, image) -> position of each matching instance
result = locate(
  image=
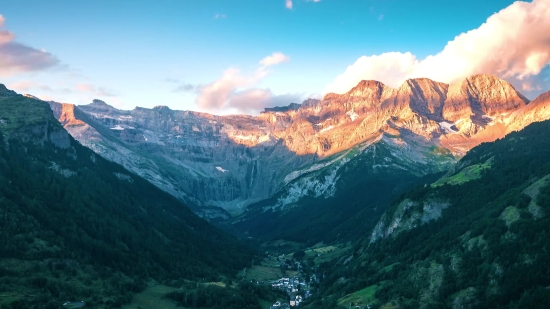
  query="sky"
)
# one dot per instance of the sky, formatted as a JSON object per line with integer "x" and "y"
{"x": 240, "y": 56}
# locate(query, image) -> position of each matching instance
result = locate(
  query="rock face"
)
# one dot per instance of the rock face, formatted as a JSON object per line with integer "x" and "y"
{"x": 233, "y": 161}
{"x": 24, "y": 124}
{"x": 481, "y": 95}
{"x": 407, "y": 215}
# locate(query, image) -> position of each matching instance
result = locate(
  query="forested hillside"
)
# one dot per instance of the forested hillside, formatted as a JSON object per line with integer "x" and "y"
{"x": 75, "y": 226}
{"x": 477, "y": 238}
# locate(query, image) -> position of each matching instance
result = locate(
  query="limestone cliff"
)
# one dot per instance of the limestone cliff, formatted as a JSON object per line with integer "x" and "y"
{"x": 233, "y": 161}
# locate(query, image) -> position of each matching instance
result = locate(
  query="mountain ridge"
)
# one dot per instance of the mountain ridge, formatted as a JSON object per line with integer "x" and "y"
{"x": 195, "y": 156}
{"x": 77, "y": 226}
{"x": 474, "y": 238}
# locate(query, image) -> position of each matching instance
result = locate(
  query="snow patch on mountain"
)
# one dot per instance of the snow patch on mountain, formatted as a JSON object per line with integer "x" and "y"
{"x": 352, "y": 115}
{"x": 448, "y": 127}
{"x": 326, "y": 129}
{"x": 242, "y": 137}
{"x": 263, "y": 139}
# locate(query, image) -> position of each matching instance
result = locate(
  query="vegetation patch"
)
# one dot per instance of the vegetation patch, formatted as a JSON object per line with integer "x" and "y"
{"x": 19, "y": 112}
{"x": 359, "y": 298}
{"x": 510, "y": 215}
{"x": 262, "y": 273}
{"x": 154, "y": 296}
{"x": 321, "y": 253}
{"x": 533, "y": 191}
{"x": 244, "y": 295}
{"x": 389, "y": 267}
{"x": 466, "y": 174}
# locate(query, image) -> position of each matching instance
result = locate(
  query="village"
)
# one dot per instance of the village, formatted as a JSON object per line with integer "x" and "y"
{"x": 296, "y": 287}
{"x": 291, "y": 270}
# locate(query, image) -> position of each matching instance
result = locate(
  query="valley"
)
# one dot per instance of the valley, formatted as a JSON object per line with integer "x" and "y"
{"x": 373, "y": 225}
{"x": 255, "y": 175}
{"x": 284, "y": 154}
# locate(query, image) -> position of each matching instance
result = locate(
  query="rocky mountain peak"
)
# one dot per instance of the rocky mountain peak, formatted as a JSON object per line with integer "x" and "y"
{"x": 99, "y": 105}
{"x": 367, "y": 95}
{"x": 161, "y": 108}
{"x": 98, "y": 102}
{"x": 481, "y": 95}
{"x": 310, "y": 103}
{"x": 490, "y": 89}
{"x": 367, "y": 88}
{"x": 426, "y": 96}
{"x": 65, "y": 114}
{"x": 541, "y": 98}
{"x": 537, "y": 110}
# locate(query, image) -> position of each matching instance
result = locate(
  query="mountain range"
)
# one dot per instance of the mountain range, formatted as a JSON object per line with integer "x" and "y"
{"x": 223, "y": 167}
{"x": 477, "y": 237}
{"x": 427, "y": 183}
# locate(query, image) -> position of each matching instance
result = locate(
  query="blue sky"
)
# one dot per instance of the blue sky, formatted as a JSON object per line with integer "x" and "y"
{"x": 205, "y": 55}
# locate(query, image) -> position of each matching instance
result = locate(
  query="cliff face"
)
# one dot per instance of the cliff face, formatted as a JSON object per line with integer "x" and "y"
{"x": 27, "y": 122}
{"x": 233, "y": 161}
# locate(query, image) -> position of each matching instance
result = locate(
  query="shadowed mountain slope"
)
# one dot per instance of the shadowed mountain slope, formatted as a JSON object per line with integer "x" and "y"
{"x": 76, "y": 226}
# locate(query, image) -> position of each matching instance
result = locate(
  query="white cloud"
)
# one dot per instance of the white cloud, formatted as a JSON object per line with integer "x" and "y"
{"x": 16, "y": 58}
{"x": 30, "y": 86}
{"x": 513, "y": 44}
{"x": 254, "y": 100}
{"x": 216, "y": 95}
{"x": 236, "y": 92}
{"x": 93, "y": 90}
{"x": 217, "y": 16}
{"x": 275, "y": 58}
{"x": 6, "y": 36}
{"x": 288, "y": 4}
{"x": 23, "y": 85}
{"x": 391, "y": 68}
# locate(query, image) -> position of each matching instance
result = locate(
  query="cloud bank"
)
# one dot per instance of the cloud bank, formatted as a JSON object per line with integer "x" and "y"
{"x": 19, "y": 58}
{"x": 513, "y": 44}
{"x": 235, "y": 92}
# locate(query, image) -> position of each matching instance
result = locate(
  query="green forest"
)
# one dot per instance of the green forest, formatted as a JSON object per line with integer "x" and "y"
{"x": 489, "y": 249}
{"x": 75, "y": 226}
